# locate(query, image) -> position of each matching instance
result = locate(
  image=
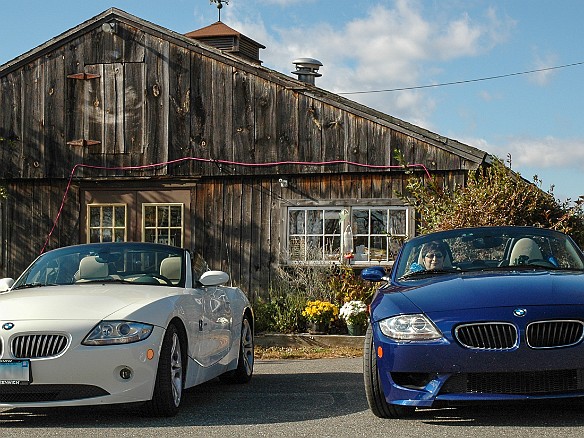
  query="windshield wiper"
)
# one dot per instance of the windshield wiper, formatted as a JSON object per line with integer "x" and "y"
{"x": 426, "y": 273}
{"x": 32, "y": 285}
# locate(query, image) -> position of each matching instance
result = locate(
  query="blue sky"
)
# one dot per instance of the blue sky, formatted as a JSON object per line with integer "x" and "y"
{"x": 373, "y": 45}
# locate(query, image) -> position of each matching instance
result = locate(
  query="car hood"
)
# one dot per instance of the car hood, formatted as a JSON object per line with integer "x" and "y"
{"x": 76, "y": 302}
{"x": 489, "y": 289}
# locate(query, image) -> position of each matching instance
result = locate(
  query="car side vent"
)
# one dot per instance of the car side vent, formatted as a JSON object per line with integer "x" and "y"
{"x": 554, "y": 334}
{"x": 487, "y": 336}
{"x": 37, "y": 346}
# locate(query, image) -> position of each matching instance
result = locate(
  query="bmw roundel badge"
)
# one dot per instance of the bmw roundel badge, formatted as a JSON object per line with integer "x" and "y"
{"x": 8, "y": 326}
{"x": 520, "y": 313}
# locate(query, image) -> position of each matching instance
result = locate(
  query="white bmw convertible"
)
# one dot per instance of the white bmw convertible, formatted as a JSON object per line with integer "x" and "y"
{"x": 113, "y": 323}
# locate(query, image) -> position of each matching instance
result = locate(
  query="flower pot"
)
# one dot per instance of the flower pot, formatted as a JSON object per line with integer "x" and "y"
{"x": 317, "y": 328}
{"x": 356, "y": 329}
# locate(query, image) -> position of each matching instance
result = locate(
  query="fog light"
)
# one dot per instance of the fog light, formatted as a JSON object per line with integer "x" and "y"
{"x": 126, "y": 373}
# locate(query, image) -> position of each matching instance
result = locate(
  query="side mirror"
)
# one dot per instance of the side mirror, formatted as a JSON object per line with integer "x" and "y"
{"x": 213, "y": 278}
{"x": 375, "y": 273}
{"x": 5, "y": 284}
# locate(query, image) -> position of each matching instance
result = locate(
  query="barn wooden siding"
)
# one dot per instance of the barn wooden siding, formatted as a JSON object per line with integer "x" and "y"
{"x": 146, "y": 95}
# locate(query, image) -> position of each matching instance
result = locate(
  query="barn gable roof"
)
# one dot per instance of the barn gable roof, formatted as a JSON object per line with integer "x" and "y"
{"x": 473, "y": 155}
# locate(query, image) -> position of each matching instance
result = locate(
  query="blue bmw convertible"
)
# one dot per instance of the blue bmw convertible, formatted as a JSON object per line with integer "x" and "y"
{"x": 476, "y": 314}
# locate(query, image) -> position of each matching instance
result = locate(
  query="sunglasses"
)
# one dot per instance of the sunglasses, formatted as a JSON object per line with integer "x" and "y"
{"x": 432, "y": 256}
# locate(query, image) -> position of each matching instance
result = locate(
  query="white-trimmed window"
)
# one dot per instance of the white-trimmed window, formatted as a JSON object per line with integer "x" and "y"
{"x": 354, "y": 234}
{"x": 106, "y": 223}
{"x": 163, "y": 223}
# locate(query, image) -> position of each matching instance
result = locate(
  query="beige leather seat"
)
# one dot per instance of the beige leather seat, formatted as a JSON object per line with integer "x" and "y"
{"x": 524, "y": 249}
{"x": 91, "y": 269}
{"x": 170, "y": 268}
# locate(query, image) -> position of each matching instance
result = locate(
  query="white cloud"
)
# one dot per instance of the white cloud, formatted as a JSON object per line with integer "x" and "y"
{"x": 544, "y": 62}
{"x": 545, "y": 152}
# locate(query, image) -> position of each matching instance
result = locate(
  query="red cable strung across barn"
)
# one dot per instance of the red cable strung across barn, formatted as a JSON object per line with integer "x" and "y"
{"x": 210, "y": 160}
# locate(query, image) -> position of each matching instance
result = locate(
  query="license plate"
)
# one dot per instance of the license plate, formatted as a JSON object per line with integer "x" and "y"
{"x": 14, "y": 372}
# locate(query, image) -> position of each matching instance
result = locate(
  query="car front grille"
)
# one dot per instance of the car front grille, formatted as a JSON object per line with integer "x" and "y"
{"x": 522, "y": 383}
{"x": 487, "y": 336}
{"x": 38, "y": 346}
{"x": 553, "y": 334}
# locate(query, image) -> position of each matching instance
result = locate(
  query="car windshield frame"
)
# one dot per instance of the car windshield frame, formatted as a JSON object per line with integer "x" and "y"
{"x": 487, "y": 249}
{"x": 119, "y": 262}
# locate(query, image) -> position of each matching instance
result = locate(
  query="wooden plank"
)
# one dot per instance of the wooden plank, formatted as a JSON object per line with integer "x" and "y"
{"x": 94, "y": 116}
{"x": 11, "y": 126}
{"x": 333, "y": 138}
{"x": 33, "y": 153}
{"x": 113, "y": 110}
{"x": 157, "y": 102}
{"x": 134, "y": 114}
{"x": 133, "y": 43}
{"x": 266, "y": 137}
{"x": 236, "y": 228}
{"x": 356, "y": 141}
{"x": 201, "y": 113}
{"x": 222, "y": 107}
{"x": 75, "y": 98}
{"x": 287, "y": 128}
{"x": 309, "y": 132}
{"x": 244, "y": 147}
{"x": 247, "y": 235}
{"x": 180, "y": 107}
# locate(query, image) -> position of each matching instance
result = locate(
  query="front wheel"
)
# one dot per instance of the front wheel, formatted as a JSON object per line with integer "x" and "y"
{"x": 245, "y": 361}
{"x": 169, "y": 383}
{"x": 373, "y": 389}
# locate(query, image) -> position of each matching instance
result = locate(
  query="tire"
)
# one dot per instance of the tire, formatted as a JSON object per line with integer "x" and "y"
{"x": 373, "y": 389}
{"x": 170, "y": 375}
{"x": 245, "y": 361}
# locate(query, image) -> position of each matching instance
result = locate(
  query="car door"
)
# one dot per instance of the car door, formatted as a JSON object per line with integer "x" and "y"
{"x": 215, "y": 325}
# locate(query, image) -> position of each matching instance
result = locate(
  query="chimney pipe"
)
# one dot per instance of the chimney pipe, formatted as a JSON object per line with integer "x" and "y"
{"x": 307, "y": 69}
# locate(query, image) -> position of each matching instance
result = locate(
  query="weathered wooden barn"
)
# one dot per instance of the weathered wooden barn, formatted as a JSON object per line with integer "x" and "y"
{"x": 119, "y": 129}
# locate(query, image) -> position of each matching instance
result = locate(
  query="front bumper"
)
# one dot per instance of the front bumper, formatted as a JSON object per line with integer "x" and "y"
{"x": 423, "y": 373}
{"x": 89, "y": 375}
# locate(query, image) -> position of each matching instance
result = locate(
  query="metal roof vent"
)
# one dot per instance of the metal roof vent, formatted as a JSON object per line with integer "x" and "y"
{"x": 307, "y": 69}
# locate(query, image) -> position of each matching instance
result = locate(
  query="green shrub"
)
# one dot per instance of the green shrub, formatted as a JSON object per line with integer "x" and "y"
{"x": 493, "y": 195}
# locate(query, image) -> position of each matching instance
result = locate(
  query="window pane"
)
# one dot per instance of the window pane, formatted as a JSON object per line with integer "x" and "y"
{"x": 314, "y": 248}
{"x": 149, "y": 216}
{"x": 94, "y": 216}
{"x": 397, "y": 224}
{"x": 94, "y": 236}
{"x": 297, "y": 248}
{"x": 314, "y": 222}
{"x": 360, "y": 221}
{"x": 175, "y": 237}
{"x": 378, "y": 249}
{"x": 296, "y": 222}
{"x": 175, "y": 216}
{"x": 149, "y": 235}
{"x": 332, "y": 223}
{"x": 106, "y": 235}
{"x": 107, "y": 218}
{"x": 378, "y": 221}
{"x": 163, "y": 216}
{"x": 120, "y": 216}
{"x": 120, "y": 237}
{"x": 163, "y": 236}
{"x": 332, "y": 247}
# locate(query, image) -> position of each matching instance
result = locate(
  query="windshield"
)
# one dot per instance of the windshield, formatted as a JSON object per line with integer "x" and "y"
{"x": 107, "y": 262}
{"x": 488, "y": 249}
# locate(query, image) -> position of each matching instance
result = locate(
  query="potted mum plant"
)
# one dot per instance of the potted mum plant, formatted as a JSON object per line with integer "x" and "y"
{"x": 319, "y": 315}
{"x": 354, "y": 313}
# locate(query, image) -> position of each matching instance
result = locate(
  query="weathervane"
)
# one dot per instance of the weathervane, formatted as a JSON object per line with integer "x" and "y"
{"x": 220, "y": 5}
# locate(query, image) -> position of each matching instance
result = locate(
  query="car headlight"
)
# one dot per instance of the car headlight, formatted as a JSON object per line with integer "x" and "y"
{"x": 117, "y": 332}
{"x": 409, "y": 328}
